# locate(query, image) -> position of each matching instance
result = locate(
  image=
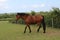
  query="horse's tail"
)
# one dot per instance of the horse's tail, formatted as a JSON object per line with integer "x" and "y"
{"x": 43, "y": 23}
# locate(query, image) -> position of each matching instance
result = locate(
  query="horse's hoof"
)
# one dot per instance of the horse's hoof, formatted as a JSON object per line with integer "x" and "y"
{"x": 30, "y": 32}
{"x": 24, "y": 32}
{"x": 37, "y": 31}
{"x": 44, "y": 32}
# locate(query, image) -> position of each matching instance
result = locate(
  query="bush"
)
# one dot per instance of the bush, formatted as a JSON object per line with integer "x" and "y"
{"x": 18, "y": 22}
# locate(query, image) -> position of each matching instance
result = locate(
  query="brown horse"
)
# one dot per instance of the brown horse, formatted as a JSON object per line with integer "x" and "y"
{"x": 38, "y": 19}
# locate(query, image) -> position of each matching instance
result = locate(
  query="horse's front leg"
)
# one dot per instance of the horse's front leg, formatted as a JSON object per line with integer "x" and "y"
{"x": 29, "y": 28}
{"x": 25, "y": 29}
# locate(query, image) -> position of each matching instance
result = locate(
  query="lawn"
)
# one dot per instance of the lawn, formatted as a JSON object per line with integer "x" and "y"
{"x": 9, "y": 31}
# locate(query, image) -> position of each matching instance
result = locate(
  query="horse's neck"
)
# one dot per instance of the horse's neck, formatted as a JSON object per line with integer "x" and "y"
{"x": 24, "y": 17}
{"x": 29, "y": 17}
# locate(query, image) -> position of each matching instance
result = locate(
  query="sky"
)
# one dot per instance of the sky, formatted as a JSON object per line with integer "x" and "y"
{"x": 7, "y": 6}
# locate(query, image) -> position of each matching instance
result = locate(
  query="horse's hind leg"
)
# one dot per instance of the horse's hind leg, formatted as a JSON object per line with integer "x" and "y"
{"x": 44, "y": 28}
{"x": 39, "y": 28}
{"x": 44, "y": 25}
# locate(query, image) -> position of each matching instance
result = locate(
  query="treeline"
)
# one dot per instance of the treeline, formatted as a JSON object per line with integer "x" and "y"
{"x": 52, "y": 17}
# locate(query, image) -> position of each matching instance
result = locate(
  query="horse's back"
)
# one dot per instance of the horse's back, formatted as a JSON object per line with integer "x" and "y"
{"x": 39, "y": 17}
{"x": 34, "y": 19}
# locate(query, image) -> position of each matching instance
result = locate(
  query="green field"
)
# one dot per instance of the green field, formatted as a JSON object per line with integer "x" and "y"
{"x": 9, "y": 31}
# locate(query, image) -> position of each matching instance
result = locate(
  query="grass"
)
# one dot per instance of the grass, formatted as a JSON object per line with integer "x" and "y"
{"x": 9, "y": 31}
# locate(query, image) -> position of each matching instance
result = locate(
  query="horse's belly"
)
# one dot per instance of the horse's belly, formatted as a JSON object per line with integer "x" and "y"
{"x": 31, "y": 21}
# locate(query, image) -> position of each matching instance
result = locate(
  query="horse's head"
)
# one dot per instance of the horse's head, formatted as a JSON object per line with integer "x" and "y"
{"x": 17, "y": 17}
{"x": 21, "y": 15}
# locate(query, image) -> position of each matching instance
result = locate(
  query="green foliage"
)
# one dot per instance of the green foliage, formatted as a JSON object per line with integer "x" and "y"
{"x": 55, "y": 13}
{"x": 33, "y": 12}
{"x": 7, "y": 17}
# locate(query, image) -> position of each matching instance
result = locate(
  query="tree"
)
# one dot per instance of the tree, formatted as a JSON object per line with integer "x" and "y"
{"x": 55, "y": 15}
{"x": 33, "y": 12}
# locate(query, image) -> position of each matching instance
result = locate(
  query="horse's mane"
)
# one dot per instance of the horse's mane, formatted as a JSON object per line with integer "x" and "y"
{"x": 22, "y": 14}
